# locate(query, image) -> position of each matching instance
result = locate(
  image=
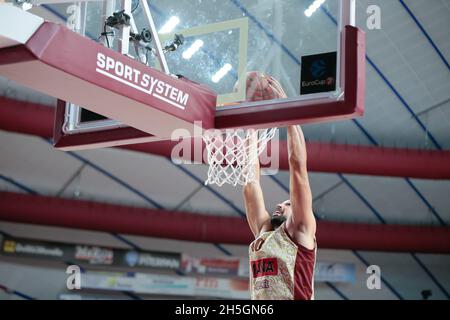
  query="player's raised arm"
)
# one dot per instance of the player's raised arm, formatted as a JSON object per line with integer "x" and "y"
{"x": 257, "y": 215}
{"x": 302, "y": 223}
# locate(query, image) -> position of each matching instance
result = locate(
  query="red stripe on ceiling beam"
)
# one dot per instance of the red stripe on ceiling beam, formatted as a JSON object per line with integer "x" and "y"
{"x": 35, "y": 119}
{"x": 80, "y": 214}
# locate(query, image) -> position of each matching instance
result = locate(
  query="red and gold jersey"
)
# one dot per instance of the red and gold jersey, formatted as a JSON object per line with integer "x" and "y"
{"x": 281, "y": 269}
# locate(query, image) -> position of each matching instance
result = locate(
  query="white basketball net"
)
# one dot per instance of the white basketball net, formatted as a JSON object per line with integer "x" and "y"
{"x": 230, "y": 155}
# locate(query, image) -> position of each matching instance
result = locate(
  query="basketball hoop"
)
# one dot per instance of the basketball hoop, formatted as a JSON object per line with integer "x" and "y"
{"x": 232, "y": 155}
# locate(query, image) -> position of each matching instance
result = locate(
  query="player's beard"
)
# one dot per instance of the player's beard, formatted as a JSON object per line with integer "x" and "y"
{"x": 277, "y": 221}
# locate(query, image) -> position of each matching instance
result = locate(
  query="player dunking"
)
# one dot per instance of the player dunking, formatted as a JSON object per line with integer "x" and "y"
{"x": 283, "y": 254}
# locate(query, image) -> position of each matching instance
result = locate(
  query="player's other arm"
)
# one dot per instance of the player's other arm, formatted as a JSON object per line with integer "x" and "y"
{"x": 302, "y": 223}
{"x": 257, "y": 215}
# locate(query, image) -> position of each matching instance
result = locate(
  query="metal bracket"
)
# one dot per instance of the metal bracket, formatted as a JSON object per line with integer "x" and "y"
{"x": 159, "y": 50}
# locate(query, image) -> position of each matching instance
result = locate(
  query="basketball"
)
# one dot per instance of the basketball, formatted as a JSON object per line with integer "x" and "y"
{"x": 261, "y": 86}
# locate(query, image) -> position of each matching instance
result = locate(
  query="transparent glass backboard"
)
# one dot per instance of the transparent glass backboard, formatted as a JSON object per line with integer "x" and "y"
{"x": 225, "y": 39}
{"x": 295, "y": 41}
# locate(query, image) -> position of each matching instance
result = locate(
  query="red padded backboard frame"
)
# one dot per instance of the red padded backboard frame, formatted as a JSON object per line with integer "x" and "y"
{"x": 277, "y": 114}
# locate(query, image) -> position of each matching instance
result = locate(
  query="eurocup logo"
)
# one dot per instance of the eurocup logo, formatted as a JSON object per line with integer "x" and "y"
{"x": 318, "y": 69}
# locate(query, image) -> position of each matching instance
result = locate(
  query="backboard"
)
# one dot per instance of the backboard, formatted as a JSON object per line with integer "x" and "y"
{"x": 308, "y": 46}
